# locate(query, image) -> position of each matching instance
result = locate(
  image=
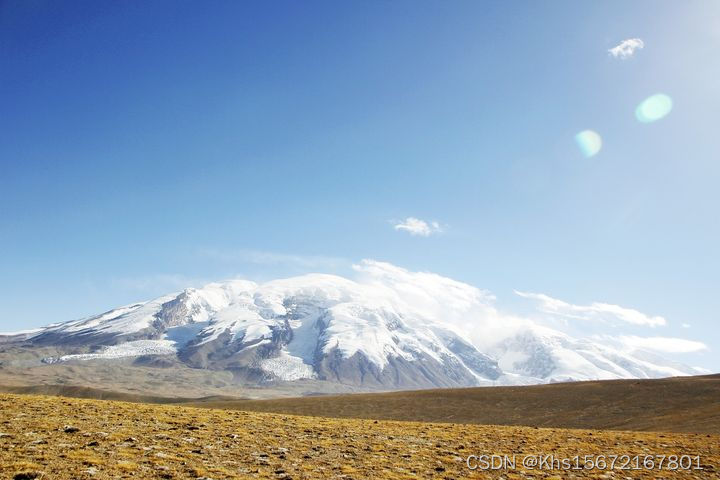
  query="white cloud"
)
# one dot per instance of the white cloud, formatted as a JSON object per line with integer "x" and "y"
{"x": 469, "y": 310}
{"x": 160, "y": 282}
{"x": 663, "y": 344}
{"x": 596, "y": 311}
{"x": 415, "y": 226}
{"x": 686, "y": 325}
{"x": 260, "y": 257}
{"x": 626, "y": 48}
{"x": 424, "y": 287}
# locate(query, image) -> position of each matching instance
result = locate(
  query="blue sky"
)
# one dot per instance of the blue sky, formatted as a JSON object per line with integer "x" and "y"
{"x": 147, "y": 146}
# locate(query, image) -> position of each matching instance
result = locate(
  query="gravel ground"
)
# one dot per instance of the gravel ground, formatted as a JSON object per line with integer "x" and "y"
{"x": 62, "y": 438}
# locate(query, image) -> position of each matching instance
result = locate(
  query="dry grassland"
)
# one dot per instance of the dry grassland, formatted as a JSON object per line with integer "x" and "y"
{"x": 63, "y": 438}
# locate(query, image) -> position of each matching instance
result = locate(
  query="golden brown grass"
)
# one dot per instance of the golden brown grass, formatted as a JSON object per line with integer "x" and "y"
{"x": 110, "y": 439}
{"x": 680, "y": 404}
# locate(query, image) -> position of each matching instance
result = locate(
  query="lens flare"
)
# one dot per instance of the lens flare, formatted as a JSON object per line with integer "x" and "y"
{"x": 654, "y": 108}
{"x": 589, "y": 142}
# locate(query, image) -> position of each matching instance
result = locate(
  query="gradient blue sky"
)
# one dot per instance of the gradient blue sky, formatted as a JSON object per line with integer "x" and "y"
{"x": 147, "y": 146}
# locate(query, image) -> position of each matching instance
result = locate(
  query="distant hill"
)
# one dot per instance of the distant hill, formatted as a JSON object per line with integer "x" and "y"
{"x": 680, "y": 404}
{"x": 99, "y": 394}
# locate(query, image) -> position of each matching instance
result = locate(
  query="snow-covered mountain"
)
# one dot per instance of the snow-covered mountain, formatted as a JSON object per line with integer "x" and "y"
{"x": 389, "y": 328}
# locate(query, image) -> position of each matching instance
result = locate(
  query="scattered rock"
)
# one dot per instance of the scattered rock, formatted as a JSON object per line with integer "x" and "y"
{"x": 70, "y": 429}
{"x": 27, "y": 475}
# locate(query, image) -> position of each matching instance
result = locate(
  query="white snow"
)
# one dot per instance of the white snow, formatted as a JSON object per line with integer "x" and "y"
{"x": 22, "y": 332}
{"x": 287, "y": 367}
{"x": 128, "y": 349}
{"x": 123, "y": 320}
{"x": 93, "y": 322}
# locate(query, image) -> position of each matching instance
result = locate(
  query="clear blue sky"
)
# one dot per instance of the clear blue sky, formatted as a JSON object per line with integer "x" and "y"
{"x": 149, "y": 145}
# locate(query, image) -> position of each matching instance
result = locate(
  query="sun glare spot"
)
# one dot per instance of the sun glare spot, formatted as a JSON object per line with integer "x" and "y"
{"x": 654, "y": 108}
{"x": 589, "y": 142}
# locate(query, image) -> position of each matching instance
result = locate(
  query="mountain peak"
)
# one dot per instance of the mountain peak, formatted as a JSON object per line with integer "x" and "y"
{"x": 390, "y": 328}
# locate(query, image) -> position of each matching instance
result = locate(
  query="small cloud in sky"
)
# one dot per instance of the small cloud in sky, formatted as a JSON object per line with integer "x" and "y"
{"x": 415, "y": 226}
{"x": 626, "y": 48}
{"x": 596, "y": 311}
{"x": 663, "y": 344}
{"x": 685, "y": 325}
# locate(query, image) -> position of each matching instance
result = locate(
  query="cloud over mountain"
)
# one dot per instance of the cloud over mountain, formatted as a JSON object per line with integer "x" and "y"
{"x": 596, "y": 311}
{"x": 415, "y": 226}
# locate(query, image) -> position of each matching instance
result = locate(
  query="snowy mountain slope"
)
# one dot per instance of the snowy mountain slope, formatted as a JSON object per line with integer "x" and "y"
{"x": 541, "y": 354}
{"x": 390, "y": 328}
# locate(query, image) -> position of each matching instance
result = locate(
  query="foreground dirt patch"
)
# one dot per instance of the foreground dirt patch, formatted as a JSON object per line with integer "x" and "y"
{"x": 50, "y": 437}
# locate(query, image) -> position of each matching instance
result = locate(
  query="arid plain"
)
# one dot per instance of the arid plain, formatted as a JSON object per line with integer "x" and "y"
{"x": 66, "y": 438}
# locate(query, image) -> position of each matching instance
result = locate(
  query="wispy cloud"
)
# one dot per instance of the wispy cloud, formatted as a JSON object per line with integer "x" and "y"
{"x": 261, "y": 257}
{"x": 596, "y": 311}
{"x": 415, "y": 226}
{"x": 626, "y": 48}
{"x": 469, "y": 310}
{"x": 663, "y": 344}
{"x": 160, "y": 282}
